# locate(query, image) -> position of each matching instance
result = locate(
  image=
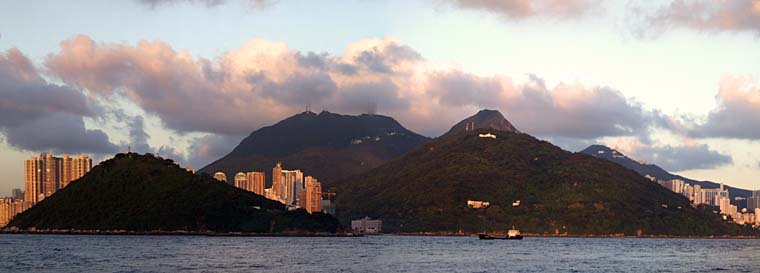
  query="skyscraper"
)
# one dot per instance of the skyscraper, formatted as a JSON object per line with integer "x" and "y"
{"x": 277, "y": 186}
{"x": 292, "y": 181}
{"x": 46, "y": 174}
{"x": 256, "y": 182}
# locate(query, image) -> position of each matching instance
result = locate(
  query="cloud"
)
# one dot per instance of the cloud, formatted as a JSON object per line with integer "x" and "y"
{"x": 25, "y": 96}
{"x": 207, "y": 149}
{"x": 60, "y": 133}
{"x": 265, "y": 81}
{"x": 567, "y": 110}
{"x": 246, "y": 88}
{"x": 692, "y": 156}
{"x": 521, "y": 9}
{"x": 38, "y": 116}
{"x": 708, "y": 15}
{"x": 737, "y": 110}
{"x": 207, "y": 3}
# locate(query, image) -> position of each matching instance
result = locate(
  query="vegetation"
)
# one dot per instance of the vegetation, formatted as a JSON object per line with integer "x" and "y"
{"x": 322, "y": 145}
{"x": 143, "y": 193}
{"x": 559, "y": 192}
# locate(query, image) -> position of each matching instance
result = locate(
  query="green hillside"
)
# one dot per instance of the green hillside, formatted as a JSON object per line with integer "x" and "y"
{"x": 143, "y": 193}
{"x": 427, "y": 190}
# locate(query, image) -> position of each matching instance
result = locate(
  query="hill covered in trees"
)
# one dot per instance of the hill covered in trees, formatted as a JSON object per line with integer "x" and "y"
{"x": 144, "y": 193}
{"x": 559, "y": 192}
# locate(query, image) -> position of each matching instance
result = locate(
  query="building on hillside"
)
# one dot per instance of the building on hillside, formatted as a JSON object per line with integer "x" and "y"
{"x": 256, "y": 182}
{"x": 46, "y": 174}
{"x": 367, "y": 225}
{"x": 277, "y": 185}
{"x": 190, "y": 170}
{"x": 475, "y": 204}
{"x": 724, "y": 204}
{"x": 220, "y": 176}
{"x": 311, "y": 197}
{"x": 675, "y": 185}
{"x": 753, "y": 203}
{"x": 241, "y": 181}
{"x": 292, "y": 185}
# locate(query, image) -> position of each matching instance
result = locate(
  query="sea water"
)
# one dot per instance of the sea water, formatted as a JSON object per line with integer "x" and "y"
{"x": 113, "y": 253}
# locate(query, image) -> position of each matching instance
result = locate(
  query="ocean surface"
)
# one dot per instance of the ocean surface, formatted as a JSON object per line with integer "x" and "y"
{"x": 110, "y": 253}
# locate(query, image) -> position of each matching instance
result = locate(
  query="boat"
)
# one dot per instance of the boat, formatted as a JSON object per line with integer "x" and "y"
{"x": 512, "y": 234}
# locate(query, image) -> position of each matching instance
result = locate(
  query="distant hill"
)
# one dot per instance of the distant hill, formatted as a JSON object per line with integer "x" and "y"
{"x": 143, "y": 193}
{"x": 327, "y": 146}
{"x": 484, "y": 119}
{"x": 601, "y": 151}
{"x": 427, "y": 190}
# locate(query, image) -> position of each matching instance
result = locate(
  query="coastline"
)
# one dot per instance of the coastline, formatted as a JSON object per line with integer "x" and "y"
{"x": 542, "y": 235}
{"x": 179, "y": 233}
{"x": 348, "y": 234}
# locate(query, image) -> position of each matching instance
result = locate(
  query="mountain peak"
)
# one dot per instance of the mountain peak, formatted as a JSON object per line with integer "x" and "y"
{"x": 484, "y": 119}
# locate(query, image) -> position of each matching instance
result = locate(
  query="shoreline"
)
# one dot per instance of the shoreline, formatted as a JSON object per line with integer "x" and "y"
{"x": 347, "y": 234}
{"x": 180, "y": 233}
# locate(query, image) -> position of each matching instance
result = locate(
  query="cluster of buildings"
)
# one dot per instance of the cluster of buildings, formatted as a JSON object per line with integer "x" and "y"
{"x": 289, "y": 187}
{"x": 717, "y": 197}
{"x": 43, "y": 176}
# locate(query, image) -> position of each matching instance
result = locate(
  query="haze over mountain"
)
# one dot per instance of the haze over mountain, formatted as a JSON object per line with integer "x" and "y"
{"x": 327, "y": 146}
{"x": 135, "y": 192}
{"x": 488, "y": 119}
{"x": 427, "y": 190}
{"x": 601, "y": 151}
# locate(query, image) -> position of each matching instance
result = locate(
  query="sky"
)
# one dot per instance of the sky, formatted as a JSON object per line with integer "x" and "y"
{"x": 674, "y": 82}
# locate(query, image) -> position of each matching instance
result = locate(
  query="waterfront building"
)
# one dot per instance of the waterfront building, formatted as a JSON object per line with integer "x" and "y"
{"x": 220, "y": 176}
{"x": 366, "y": 225}
{"x": 10, "y": 207}
{"x": 256, "y": 182}
{"x": 292, "y": 181}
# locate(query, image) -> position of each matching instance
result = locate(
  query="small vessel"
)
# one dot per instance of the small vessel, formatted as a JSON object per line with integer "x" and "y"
{"x": 512, "y": 234}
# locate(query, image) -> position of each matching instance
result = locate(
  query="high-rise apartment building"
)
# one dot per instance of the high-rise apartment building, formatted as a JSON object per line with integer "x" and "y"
{"x": 292, "y": 181}
{"x": 256, "y": 182}
{"x": 74, "y": 168}
{"x": 220, "y": 176}
{"x": 46, "y": 174}
{"x": 277, "y": 185}
{"x": 241, "y": 181}
{"x": 311, "y": 197}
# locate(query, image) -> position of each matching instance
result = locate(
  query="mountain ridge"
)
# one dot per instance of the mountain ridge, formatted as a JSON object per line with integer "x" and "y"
{"x": 327, "y": 146}
{"x": 604, "y": 152}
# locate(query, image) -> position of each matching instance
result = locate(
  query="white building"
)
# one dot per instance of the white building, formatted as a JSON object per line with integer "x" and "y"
{"x": 367, "y": 225}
